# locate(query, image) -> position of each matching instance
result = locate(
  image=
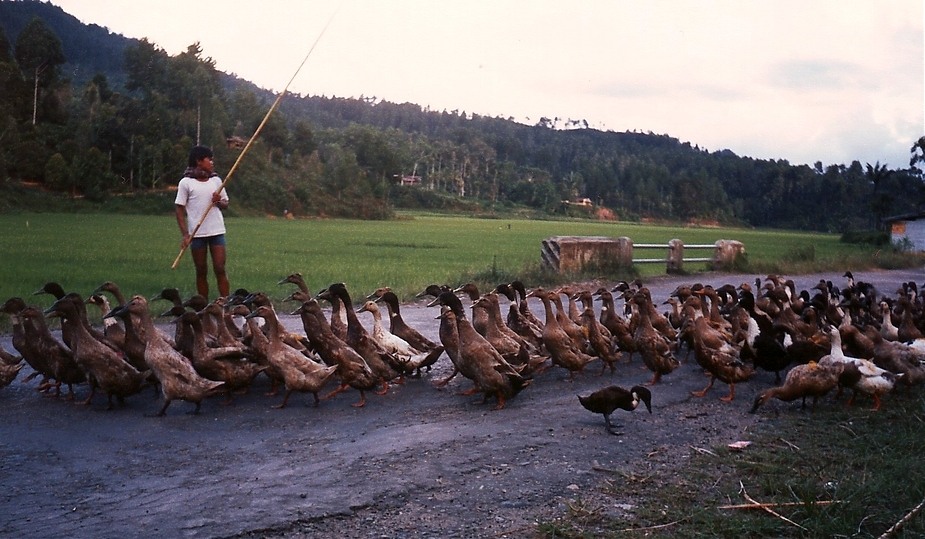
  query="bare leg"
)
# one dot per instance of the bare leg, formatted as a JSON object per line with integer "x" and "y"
{"x": 200, "y": 260}
{"x": 218, "y": 266}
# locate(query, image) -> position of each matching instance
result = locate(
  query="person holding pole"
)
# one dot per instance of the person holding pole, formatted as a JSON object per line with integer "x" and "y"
{"x": 200, "y": 198}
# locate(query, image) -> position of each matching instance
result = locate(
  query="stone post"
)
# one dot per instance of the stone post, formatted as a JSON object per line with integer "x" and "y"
{"x": 726, "y": 252}
{"x": 624, "y": 252}
{"x": 675, "y": 256}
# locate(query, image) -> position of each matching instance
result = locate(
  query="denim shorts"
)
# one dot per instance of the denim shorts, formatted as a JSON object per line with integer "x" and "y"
{"x": 208, "y": 241}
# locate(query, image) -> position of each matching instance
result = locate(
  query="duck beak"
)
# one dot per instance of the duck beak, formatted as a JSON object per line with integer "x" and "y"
{"x": 436, "y": 301}
{"x": 115, "y": 312}
{"x": 645, "y": 396}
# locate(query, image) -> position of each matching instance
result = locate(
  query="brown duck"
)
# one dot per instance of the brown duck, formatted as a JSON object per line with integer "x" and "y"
{"x": 10, "y": 366}
{"x": 299, "y": 372}
{"x": 351, "y": 367}
{"x": 478, "y": 359}
{"x": 802, "y": 381}
{"x": 618, "y": 327}
{"x": 25, "y": 345}
{"x": 716, "y": 355}
{"x": 104, "y": 367}
{"x": 518, "y": 323}
{"x": 651, "y": 344}
{"x": 226, "y": 364}
{"x": 510, "y": 345}
{"x": 175, "y": 373}
{"x": 258, "y": 347}
{"x": 379, "y": 360}
{"x": 562, "y": 348}
{"x": 58, "y": 359}
{"x": 602, "y": 346}
{"x": 449, "y": 336}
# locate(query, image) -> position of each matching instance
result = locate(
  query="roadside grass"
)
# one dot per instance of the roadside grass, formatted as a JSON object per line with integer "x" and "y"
{"x": 81, "y": 251}
{"x": 837, "y": 472}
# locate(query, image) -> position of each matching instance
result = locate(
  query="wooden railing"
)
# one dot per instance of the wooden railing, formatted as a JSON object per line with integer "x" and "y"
{"x": 566, "y": 254}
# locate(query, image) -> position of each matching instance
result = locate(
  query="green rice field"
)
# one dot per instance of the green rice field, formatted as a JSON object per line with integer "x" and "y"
{"x": 80, "y": 251}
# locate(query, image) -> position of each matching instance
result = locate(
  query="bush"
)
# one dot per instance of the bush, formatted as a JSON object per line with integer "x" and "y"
{"x": 867, "y": 237}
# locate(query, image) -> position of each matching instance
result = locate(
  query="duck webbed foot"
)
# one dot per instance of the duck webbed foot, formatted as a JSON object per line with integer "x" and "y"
{"x": 611, "y": 428}
{"x": 340, "y": 389}
{"x": 195, "y": 411}
{"x": 703, "y": 391}
{"x": 362, "y": 402}
{"x": 472, "y": 391}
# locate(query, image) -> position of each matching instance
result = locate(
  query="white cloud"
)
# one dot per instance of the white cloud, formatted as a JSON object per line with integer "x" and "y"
{"x": 803, "y": 81}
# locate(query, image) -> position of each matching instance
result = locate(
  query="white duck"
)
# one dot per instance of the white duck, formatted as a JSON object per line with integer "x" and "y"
{"x": 857, "y": 373}
{"x": 410, "y": 357}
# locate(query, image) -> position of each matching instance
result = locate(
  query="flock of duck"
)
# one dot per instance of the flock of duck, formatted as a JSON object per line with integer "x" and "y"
{"x": 825, "y": 339}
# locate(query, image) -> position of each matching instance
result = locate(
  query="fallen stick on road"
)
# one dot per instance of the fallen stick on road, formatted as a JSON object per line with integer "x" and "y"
{"x": 895, "y": 528}
{"x": 783, "y": 504}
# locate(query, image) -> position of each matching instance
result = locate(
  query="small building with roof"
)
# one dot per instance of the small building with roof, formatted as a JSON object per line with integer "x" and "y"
{"x": 908, "y": 231}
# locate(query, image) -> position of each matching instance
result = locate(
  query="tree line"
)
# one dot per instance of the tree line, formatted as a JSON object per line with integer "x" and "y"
{"x": 127, "y": 128}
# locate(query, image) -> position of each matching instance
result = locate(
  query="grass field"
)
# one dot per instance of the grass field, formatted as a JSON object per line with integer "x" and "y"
{"x": 837, "y": 472}
{"x": 80, "y": 251}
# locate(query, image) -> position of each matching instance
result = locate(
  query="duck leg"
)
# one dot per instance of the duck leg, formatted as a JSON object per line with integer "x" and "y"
{"x": 703, "y": 392}
{"x": 285, "y": 400}
{"x": 656, "y": 378}
{"x": 876, "y": 402}
{"x": 731, "y": 395}
{"x": 445, "y": 381}
{"x": 340, "y": 389}
{"x": 163, "y": 410}
{"x": 89, "y": 398}
{"x": 362, "y": 402}
{"x": 196, "y": 409}
{"x": 501, "y": 401}
{"x": 611, "y": 428}
{"x": 469, "y": 392}
{"x": 385, "y": 387}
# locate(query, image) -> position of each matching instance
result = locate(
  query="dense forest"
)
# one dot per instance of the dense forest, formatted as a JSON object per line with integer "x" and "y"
{"x": 91, "y": 114}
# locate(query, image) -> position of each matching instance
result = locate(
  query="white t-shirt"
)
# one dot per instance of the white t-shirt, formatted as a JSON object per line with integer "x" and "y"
{"x": 196, "y": 196}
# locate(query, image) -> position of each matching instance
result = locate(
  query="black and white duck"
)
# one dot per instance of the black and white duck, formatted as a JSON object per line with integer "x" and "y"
{"x": 609, "y": 399}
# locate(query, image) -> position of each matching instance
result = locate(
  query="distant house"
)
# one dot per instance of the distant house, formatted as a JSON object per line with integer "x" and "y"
{"x": 410, "y": 180}
{"x": 235, "y": 143}
{"x": 908, "y": 230}
{"x": 585, "y": 202}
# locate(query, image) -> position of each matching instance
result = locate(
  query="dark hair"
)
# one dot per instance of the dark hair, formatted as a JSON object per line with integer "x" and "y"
{"x": 197, "y": 154}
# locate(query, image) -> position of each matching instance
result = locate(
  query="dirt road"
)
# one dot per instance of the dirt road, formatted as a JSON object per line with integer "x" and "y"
{"x": 417, "y": 462}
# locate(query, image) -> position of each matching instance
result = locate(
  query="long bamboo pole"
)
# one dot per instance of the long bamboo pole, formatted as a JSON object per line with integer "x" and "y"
{"x": 253, "y": 137}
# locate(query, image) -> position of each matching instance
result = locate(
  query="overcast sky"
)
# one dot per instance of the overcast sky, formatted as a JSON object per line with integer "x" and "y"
{"x": 801, "y": 80}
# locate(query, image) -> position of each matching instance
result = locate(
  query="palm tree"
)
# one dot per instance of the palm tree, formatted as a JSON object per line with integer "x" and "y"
{"x": 880, "y": 202}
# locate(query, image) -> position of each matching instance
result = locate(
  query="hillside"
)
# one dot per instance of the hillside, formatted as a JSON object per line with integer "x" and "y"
{"x": 121, "y": 113}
